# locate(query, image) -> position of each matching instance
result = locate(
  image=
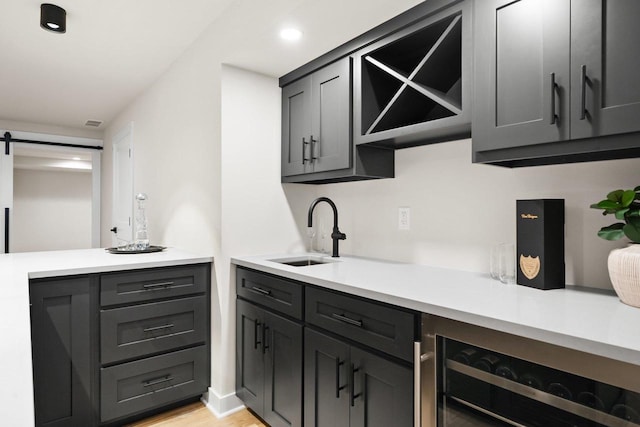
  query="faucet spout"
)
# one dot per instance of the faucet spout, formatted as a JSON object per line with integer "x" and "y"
{"x": 336, "y": 235}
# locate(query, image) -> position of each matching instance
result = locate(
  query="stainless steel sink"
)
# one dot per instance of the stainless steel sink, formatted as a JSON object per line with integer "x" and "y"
{"x": 304, "y": 261}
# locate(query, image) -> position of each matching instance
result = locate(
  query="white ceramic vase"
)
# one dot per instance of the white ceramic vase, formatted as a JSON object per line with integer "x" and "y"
{"x": 624, "y": 271}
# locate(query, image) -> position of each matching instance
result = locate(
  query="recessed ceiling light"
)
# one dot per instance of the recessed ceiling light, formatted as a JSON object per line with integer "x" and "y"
{"x": 76, "y": 158}
{"x": 290, "y": 34}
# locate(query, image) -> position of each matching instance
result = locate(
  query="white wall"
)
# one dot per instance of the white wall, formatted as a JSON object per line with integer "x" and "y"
{"x": 51, "y": 210}
{"x": 257, "y": 217}
{"x": 459, "y": 209}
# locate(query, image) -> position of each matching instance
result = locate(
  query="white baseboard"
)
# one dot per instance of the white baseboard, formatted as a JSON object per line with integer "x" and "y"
{"x": 221, "y": 406}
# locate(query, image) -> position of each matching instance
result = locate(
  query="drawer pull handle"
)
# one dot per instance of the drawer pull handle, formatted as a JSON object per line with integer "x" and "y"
{"x": 261, "y": 291}
{"x": 154, "y": 286}
{"x": 256, "y": 340}
{"x": 345, "y": 319}
{"x": 157, "y": 328}
{"x": 354, "y": 395}
{"x": 338, "y": 386}
{"x": 157, "y": 381}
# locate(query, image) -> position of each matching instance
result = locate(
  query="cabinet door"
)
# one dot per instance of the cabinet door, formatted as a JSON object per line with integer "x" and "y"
{"x": 522, "y": 47}
{"x": 61, "y": 336}
{"x": 282, "y": 349}
{"x": 326, "y": 387}
{"x": 605, "y": 85}
{"x": 331, "y": 114}
{"x": 382, "y": 392}
{"x": 296, "y": 127}
{"x": 249, "y": 359}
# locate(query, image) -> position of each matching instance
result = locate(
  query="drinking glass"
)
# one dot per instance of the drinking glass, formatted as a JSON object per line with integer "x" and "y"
{"x": 507, "y": 263}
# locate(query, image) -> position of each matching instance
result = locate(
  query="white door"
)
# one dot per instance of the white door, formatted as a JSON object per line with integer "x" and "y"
{"x": 122, "y": 229}
{"x": 6, "y": 194}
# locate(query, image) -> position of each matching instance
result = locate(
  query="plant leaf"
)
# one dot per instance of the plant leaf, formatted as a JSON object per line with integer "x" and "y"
{"x": 637, "y": 188}
{"x": 615, "y": 195}
{"x": 627, "y": 197}
{"x": 632, "y": 231}
{"x": 620, "y": 213}
{"x": 608, "y": 204}
{"x": 634, "y": 214}
{"x": 612, "y": 232}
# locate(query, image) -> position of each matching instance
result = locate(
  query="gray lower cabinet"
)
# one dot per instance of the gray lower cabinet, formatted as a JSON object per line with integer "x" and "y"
{"x": 109, "y": 348}
{"x": 269, "y": 364}
{"x": 346, "y": 386}
{"x": 555, "y": 81}
{"x": 63, "y": 335}
{"x": 335, "y": 360}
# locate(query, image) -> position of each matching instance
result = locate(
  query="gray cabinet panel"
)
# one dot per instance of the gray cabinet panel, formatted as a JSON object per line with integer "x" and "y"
{"x": 373, "y": 324}
{"x": 61, "y": 335}
{"x": 604, "y": 37}
{"x": 296, "y": 127}
{"x": 283, "y": 372}
{"x": 269, "y": 365}
{"x": 282, "y": 295}
{"x": 142, "y": 330}
{"x": 149, "y": 383}
{"x": 249, "y": 359}
{"x": 331, "y": 113}
{"x": 383, "y": 392}
{"x": 326, "y": 387}
{"x": 522, "y": 47}
{"x": 145, "y": 285}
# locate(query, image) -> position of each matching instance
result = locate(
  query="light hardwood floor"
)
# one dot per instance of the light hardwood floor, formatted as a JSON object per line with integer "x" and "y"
{"x": 197, "y": 415}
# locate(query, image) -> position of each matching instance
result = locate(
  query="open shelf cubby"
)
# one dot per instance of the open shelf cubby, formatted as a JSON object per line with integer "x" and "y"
{"x": 414, "y": 79}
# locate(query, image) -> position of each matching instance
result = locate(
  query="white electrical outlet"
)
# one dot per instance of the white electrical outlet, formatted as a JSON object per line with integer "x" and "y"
{"x": 404, "y": 218}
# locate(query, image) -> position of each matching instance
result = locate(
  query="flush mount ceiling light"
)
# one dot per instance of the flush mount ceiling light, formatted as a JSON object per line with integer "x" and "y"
{"x": 290, "y": 34}
{"x": 53, "y": 18}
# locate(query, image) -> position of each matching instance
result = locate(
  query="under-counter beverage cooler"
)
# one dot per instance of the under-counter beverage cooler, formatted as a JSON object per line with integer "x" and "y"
{"x": 482, "y": 377}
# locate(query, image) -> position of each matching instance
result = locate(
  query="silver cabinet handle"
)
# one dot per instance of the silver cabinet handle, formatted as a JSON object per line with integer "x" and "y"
{"x": 314, "y": 151}
{"x": 304, "y": 146}
{"x": 157, "y": 328}
{"x": 554, "y": 86}
{"x": 583, "y": 92}
{"x": 345, "y": 319}
{"x": 261, "y": 291}
{"x": 156, "y": 381}
{"x": 154, "y": 286}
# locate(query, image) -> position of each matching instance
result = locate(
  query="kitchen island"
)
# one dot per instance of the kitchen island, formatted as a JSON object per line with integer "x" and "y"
{"x": 16, "y": 270}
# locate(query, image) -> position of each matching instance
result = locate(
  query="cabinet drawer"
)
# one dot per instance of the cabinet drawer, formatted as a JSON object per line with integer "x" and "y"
{"x": 140, "y": 330}
{"x": 145, "y": 384}
{"x": 144, "y": 285}
{"x": 279, "y": 294}
{"x": 376, "y": 325}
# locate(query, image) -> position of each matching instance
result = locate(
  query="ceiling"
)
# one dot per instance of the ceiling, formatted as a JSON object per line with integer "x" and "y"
{"x": 114, "y": 49}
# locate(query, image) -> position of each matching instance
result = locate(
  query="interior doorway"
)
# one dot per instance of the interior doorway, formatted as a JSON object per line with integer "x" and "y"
{"x": 50, "y": 194}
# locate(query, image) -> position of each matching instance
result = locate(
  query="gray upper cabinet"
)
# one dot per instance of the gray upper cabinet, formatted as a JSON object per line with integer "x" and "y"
{"x": 524, "y": 49}
{"x": 296, "y": 127}
{"x": 604, "y": 80}
{"x": 315, "y": 121}
{"x": 552, "y": 78}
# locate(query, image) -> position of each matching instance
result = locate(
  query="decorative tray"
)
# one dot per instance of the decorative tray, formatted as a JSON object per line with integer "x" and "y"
{"x": 131, "y": 250}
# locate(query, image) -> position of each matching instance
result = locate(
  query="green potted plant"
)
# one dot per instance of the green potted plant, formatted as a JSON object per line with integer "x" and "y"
{"x": 624, "y": 263}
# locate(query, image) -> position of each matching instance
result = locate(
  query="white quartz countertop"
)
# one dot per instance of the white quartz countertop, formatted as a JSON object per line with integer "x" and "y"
{"x": 579, "y": 318}
{"x": 16, "y": 391}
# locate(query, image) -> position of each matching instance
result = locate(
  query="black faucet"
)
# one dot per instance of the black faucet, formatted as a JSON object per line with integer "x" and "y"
{"x": 336, "y": 234}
